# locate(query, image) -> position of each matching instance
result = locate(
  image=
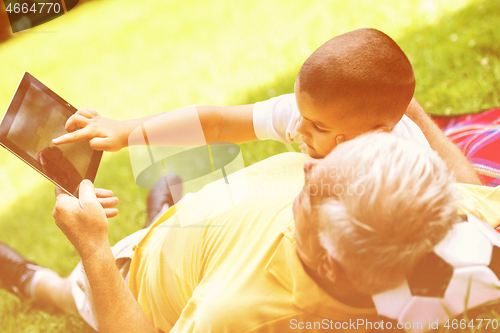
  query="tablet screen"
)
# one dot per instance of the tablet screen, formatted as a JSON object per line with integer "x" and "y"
{"x": 33, "y": 119}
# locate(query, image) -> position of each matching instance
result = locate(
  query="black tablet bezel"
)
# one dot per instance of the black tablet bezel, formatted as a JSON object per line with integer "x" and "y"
{"x": 10, "y": 115}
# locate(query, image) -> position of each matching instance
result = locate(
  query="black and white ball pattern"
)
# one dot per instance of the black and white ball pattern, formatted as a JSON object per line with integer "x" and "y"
{"x": 462, "y": 272}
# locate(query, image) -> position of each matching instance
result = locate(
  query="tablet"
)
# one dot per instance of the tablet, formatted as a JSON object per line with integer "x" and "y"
{"x": 34, "y": 117}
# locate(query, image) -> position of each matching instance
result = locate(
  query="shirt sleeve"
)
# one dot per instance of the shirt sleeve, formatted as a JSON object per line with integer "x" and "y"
{"x": 408, "y": 129}
{"x": 276, "y": 119}
{"x": 481, "y": 201}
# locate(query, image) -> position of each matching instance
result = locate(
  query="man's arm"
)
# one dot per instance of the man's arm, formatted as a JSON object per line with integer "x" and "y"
{"x": 115, "y": 307}
{"x": 219, "y": 124}
{"x": 84, "y": 223}
{"x": 455, "y": 160}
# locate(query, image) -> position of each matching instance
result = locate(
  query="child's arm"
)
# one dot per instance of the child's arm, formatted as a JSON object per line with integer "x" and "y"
{"x": 220, "y": 124}
{"x": 455, "y": 160}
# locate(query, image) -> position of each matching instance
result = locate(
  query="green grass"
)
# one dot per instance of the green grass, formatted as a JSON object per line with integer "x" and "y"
{"x": 130, "y": 59}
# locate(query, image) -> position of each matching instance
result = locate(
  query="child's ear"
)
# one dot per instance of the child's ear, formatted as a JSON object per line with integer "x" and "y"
{"x": 339, "y": 139}
{"x": 329, "y": 268}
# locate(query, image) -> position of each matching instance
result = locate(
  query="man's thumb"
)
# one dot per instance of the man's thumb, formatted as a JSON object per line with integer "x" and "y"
{"x": 86, "y": 192}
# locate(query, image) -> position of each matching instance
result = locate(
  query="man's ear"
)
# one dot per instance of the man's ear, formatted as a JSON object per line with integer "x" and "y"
{"x": 329, "y": 268}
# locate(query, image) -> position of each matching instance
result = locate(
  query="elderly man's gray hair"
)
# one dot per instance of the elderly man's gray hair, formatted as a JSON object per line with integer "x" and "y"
{"x": 396, "y": 207}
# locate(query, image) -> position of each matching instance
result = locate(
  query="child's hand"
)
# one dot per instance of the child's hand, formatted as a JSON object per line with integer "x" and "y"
{"x": 104, "y": 134}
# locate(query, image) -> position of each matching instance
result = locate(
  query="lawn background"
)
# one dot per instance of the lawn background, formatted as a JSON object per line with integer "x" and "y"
{"x": 130, "y": 59}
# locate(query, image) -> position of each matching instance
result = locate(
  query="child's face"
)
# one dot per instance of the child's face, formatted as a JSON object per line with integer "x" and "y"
{"x": 322, "y": 129}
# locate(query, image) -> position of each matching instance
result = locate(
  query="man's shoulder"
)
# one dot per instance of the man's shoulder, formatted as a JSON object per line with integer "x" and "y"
{"x": 291, "y": 159}
{"x": 279, "y": 169}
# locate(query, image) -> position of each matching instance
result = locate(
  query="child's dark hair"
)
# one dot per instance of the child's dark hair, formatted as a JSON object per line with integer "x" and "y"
{"x": 360, "y": 70}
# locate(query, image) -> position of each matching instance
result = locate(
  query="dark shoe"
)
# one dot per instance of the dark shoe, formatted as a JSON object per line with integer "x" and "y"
{"x": 160, "y": 196}
{"x": 15, "y": 270}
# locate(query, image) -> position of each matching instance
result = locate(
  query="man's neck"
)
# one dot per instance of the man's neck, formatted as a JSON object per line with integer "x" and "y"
{"x": 342, "y": 292}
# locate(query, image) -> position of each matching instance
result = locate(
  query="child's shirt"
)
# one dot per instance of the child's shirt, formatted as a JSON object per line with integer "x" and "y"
{"x": 277, "y": 119}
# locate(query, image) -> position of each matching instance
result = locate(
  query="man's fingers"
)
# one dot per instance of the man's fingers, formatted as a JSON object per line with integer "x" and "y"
{"x": 59, "y": 191}
{"x": 106, "y": 198}
{"x": 111, "y": 212}
{"x": 103, "y": 193}
{"x": 108, "y": 202}
{"x": 62, "y": 198}
{"x": 62, "y": 202}
{"x": 86, "y": 192}
{"x": 76, "y": 136}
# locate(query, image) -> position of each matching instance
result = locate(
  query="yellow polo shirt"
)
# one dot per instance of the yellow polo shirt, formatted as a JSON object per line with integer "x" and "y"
{"x": 480, "y": 201}
{"x": 237, "y": 271}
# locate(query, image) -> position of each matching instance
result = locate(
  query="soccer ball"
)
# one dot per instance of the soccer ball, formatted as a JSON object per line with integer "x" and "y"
{"x": 462, "y": 272}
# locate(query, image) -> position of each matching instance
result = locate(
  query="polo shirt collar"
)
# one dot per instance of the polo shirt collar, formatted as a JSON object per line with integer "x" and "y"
{"x": 286, "y": 267}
